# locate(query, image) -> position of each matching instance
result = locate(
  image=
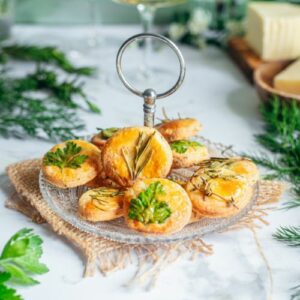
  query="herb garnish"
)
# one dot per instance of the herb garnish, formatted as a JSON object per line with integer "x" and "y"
{"x": 147, "y": 209}
{"x": 282, "y": 137}
{"x": 19, "y": 260}
{"x": 216, "y": 167}
{"x": 182, "y": 146}
{"x": 40, "y": 104}
{"x": 289, "y": 235}
{"x": 98, "y": 198}
{"x": 166, "y": 119}
{"x": 7, "y": 293}
{"x": 68, "y": 157}
{"x": 142, "y": 155}
{"x": 62, "y": 92}
{"x": 48, "y": 54}
{"x": 108, "y": 132}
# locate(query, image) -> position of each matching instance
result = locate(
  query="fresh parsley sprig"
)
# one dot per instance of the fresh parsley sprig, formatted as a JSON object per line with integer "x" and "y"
{"x": 147, "y": 209}
{"x": 68, "y": 157}
{"x": 182, "y": 146}
{"x": 7, "y": 293}
{"x": 19, "y": 262}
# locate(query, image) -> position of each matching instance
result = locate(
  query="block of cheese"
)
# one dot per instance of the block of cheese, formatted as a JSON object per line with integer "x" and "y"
{"x": 288, "y": 80}
{"x": 273, "y": 30}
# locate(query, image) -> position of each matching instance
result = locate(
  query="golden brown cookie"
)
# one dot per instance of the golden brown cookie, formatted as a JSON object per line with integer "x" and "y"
{"x": 101, "y": 204}
{"x": 72, "y": 163}
{"x": 136, "y": 152}
{"x": 188, "y": 153}
{"x": 100, "y": 138}
{"x": 218, "y": 191}
{"x": 245, "y": 168}
{"x": 179, "y": 129}
{"x": 157, "y": 206}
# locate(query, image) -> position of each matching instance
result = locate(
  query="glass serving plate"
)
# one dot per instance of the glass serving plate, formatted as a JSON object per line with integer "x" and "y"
{"x": 64, "y": 203}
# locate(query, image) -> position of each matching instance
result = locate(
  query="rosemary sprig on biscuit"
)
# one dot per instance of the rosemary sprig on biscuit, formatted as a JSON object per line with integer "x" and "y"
{"x": 104, "y": 198}
{"x": 216, "y": 167}
{"x": 141, "y": 157}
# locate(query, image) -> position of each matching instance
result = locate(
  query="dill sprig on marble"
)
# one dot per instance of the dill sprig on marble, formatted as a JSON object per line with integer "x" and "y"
{"x": 46, "y": 55}
{"x": 40, "y": 104}
{"x": 282, "y": 137}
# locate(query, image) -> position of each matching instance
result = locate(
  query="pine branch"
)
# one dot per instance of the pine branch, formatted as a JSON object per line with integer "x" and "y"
{"x": 289, "y": 235}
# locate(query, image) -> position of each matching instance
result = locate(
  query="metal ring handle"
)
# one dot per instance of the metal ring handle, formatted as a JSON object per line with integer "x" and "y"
{"x": 164, "y": 40}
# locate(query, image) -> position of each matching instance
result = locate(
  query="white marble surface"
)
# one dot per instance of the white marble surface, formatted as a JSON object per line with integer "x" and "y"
{"x": 215, "y": 92}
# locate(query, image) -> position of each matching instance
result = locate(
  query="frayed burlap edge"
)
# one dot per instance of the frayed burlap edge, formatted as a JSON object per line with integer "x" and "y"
{"x": 108, "y": 255}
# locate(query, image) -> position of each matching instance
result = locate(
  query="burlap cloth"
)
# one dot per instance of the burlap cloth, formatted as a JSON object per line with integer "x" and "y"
{"x": 109, "y": 255}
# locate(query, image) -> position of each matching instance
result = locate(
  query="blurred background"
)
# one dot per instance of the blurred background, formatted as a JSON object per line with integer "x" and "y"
{"x": 66, "y": 49}
{"x": 78, "y": 11}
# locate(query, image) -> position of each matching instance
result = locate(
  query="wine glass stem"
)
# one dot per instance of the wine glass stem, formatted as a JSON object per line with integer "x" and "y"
{"x": 93, "y": 38}
{"x": 147, "y": 14}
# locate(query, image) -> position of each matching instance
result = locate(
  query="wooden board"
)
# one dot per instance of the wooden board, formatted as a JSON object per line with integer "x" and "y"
{"x": 264, "y": 76}
{"x": 257, "y": 71}
{"x": 244, "y": 57}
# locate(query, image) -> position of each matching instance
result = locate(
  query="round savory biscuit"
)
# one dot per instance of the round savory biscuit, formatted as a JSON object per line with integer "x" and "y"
{"x": 246, "y": 168}
{"x": 187, "y": 153}
{"x": 218, "y": 197}
{"x": 136, "y": 152}
{"x": 179, "y": 129}
{"x": 98, "y": 141}
{"x": 157, "y": 206}
{"x": 100, "y": 138}
{"x": 71, "y": 164}
{"x": 101, "y": 204}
